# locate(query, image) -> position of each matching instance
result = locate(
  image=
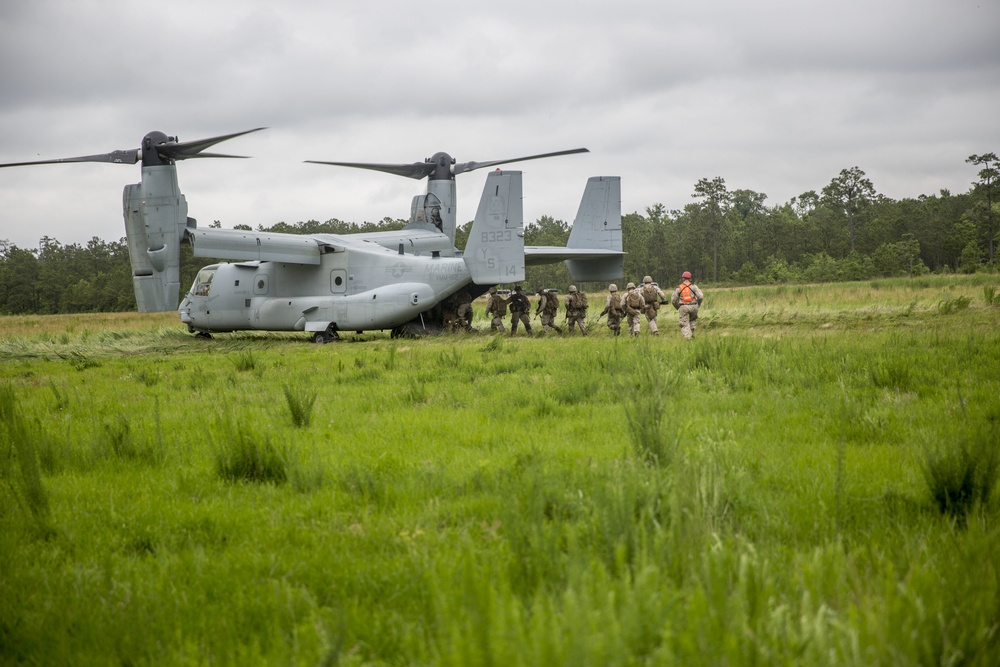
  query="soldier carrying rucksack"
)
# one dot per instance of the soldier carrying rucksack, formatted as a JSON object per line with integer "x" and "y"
{"x": 548, "y": 306}
{"x": 576, "y": 309}
{"x": 686, "y": 299}
{"x": 614, "y": 308}
{"x": 652, "y": 296}
{"x": 519, "y": 307}
{"x": 634, "y": 305}
{"x": 496, "y": 308}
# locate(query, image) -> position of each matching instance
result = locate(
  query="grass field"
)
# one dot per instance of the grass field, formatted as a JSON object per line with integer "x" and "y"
{"x": 811, "y": 480}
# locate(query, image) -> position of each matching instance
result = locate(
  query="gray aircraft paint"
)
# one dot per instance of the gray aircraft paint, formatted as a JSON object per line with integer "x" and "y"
{"x": 326, "y": 283}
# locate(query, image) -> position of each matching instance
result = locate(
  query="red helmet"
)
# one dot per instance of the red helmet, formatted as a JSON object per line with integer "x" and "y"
{"x": 686, "y": 275}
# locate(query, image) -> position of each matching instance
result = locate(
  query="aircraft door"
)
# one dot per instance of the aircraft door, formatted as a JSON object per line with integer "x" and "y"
{"x": 338, "y": 281}
{"x": 260, "y": 284}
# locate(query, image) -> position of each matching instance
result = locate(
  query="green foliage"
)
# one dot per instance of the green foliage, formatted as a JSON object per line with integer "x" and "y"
{"x": 243, "y": 455}
{"x": 477, "y": 499}
{"x": 953, "y": 305}
{"x": 962, "y": 473}
{"x": 300, "y": 401}
{"x": 243, "y": 361}
{"x": 20, "y": 472}
{"x": 648, "y": 388}
{"x": 970, "y": 259}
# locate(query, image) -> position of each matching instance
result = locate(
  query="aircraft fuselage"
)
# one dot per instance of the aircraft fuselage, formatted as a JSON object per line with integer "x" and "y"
{"x": 349, "y": 290}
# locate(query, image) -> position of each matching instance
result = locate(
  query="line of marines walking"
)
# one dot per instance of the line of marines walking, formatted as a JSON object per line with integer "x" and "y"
{"x": 636, "y": 303}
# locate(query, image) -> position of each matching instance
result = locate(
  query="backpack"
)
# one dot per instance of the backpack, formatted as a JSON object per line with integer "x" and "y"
{"x": 649, "y": 294}
{"x": 581, "y": 301}
{"x": 633, "y": 302}
{"x": 687, "y": 294}
{"x": 615, "y": 305}
{"x": 551, "y": 301}
{"x": 519, "y": 303}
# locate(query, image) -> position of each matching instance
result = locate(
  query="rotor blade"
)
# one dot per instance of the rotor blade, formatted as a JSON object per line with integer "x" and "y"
{"x": 191, "y": 149}
{"x": 241, "y": 157}
{"x": 463, "y": 167}
{"x": 413, "y": 170}
{"x": 114, "y": 157}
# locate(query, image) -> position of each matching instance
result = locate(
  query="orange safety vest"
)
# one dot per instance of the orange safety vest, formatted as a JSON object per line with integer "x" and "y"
{"x": 687, "y": 294}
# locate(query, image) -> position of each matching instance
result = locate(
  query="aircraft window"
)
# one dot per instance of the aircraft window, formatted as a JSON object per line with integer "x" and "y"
{"x": 203, "y": 283}
{"x": 338, "y": 281}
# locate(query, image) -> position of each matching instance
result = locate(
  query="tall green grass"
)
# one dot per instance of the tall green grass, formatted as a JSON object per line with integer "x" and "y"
{"x": 810, "y": 481}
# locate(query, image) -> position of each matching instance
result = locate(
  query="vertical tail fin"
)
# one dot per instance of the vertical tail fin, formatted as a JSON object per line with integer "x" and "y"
{"x": 495, "y": 250}
{"x": 598, "y": 225}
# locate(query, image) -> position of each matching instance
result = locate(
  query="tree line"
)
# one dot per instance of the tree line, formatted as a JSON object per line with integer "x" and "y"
{"x": 846, "y": 231}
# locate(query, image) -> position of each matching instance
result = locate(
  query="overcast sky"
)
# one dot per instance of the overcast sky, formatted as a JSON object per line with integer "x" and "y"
{"x": 775, "y": 96}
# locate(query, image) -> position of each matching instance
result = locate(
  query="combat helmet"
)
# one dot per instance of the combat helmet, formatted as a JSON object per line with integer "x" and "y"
{"x": 647, "y": 279}
{"x": 630, "y": 286}
{"x": 572, "y": 288}
{"x": 612, "y": 287}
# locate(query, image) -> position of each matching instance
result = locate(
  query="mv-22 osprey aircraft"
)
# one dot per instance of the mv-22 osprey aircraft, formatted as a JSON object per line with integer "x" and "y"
{"x": 327, "y": 283}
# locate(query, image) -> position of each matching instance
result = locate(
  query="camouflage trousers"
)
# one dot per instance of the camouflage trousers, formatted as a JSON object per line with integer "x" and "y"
{"x": 687, "y": 317}
{"x": 615, "y": 323}
{"x": 651, "y": 319}
{"x": 465, "y": 314}
{"x": 549, "y": 320}
{"x": 575, "y": 318}
{"x": 496, "y": 324}
{"x": 519, "y": 316}
{"x": 633, "y": 324}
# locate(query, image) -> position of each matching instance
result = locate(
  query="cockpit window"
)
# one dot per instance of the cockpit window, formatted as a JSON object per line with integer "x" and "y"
{"x": 203, "y": 283}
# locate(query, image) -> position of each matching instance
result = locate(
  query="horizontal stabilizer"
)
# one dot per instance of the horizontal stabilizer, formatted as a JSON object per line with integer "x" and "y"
{"x": 594, "y": 250}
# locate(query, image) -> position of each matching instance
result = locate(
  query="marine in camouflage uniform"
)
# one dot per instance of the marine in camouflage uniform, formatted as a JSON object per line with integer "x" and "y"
{"x": 652, "y": 295}
{"x": 576, "y": 310}
{"x": 519, "y": 307}
{"x": 548, "y": 305}
{"x": 449, "y": 314}
{"x": 634, "y": 305}
{"x": 614, "y": 308}
{"x": 686, "y": 299}
{"x": 496, "y": 308}
{"x": 464, "y": 310}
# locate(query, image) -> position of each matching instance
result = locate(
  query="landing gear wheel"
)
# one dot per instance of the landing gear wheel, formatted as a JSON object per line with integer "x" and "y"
{"x": 324, "y": 337}
{"x": 203, "y": 334}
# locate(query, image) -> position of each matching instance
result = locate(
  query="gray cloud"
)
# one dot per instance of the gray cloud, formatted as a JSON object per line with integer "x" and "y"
{"x": 776, "y": 96}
